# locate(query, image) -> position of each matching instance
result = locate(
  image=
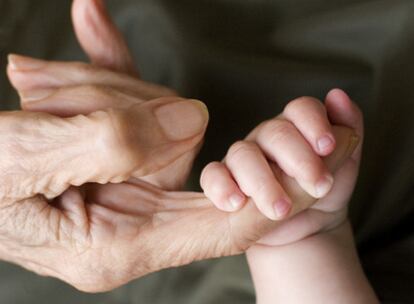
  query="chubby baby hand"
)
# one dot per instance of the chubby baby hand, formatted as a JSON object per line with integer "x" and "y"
{"x": 295, "y": 142}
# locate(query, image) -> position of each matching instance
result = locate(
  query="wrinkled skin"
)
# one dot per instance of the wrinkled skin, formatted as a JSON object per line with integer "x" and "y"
{"x": 60, "y": 216}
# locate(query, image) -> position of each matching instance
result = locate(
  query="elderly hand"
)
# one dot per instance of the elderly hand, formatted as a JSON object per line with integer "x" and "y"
{"x": 56, "y": 87}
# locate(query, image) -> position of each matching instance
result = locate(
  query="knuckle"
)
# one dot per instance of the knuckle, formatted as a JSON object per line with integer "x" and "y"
{"x": 240, "y": 150}
{"x": 116, "y": 138}
{"x": 207, "y": 172}
{"x": 213, "y": 166}
{"x": 277, "y": 130}
{"x": 117, "y": 130}
{"x": 300, "y": 103}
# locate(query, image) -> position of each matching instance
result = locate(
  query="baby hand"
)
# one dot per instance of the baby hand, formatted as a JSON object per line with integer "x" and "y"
{"x": 295, "y": 142}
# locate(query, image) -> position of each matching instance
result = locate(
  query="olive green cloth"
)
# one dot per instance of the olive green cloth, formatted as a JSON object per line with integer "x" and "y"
{"x": 246, "y": 59}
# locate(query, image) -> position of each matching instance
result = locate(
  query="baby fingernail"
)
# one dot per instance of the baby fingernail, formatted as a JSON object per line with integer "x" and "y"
{"x": 325, "y": 143}
{"x": 324, "y": 186}
{"x": 282, "y": 208}
{"x": 236, "y": 200}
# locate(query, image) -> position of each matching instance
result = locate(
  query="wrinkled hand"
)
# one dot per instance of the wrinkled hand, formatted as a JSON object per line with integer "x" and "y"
{"x": 124, "y": 136}
{"x": 79, "y": 234}
{"x": 294, "y": 142}
{"x": 111, "y": 80}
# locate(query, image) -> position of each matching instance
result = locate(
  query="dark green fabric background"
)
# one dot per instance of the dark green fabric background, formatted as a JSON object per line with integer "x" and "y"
{"x": 246, "y": 59}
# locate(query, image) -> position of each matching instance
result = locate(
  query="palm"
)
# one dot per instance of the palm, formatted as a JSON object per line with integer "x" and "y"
{"x": 135, "y": 226}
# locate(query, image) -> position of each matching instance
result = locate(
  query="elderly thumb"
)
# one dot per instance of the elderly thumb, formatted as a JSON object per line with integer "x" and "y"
{"x": 147, "y": 137}
{"x": 162, "y": 130}
{"x": 104, "y": 146}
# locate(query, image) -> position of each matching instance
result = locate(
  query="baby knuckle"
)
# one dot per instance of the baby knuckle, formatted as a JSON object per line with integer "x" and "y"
{"x": 207, "y": 172}
{"x": 213, "y": 166}
{"x": 299, "y": 103}
{"x": 240, "y": 150}
{"x": 277, "y": 130}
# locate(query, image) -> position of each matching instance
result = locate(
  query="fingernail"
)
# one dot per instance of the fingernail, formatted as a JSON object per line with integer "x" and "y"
{"x": 325, "y": 143}
{"x": 35, "y": 95}
{"x": 339, "y": 94}
{"x": 182, "y": 120}
{"x": 23, "y": 63}
{"x": 236, "y": 200}
{"x": 282, "y": 208}
{"x": 324, "y": 186}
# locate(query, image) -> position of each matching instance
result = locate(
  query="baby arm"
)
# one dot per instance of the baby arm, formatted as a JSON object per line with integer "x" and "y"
{"x": 309, "y": 257}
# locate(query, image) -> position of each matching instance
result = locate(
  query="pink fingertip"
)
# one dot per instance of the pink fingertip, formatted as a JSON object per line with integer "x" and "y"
{"x": 323, "y": 187}
{"x": 338, "y": 95}
{"x": 236, "y": 201}
{"x": 326, "y": 144}
{"x": 282, "y": 208}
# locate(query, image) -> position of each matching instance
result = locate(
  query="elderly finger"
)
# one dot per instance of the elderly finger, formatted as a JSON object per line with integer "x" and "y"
{"x": 29, "y": 75}
{"x": 71, "y": 101}
{"x": 100, "y": 38}
{"x": 45, "y": 154}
